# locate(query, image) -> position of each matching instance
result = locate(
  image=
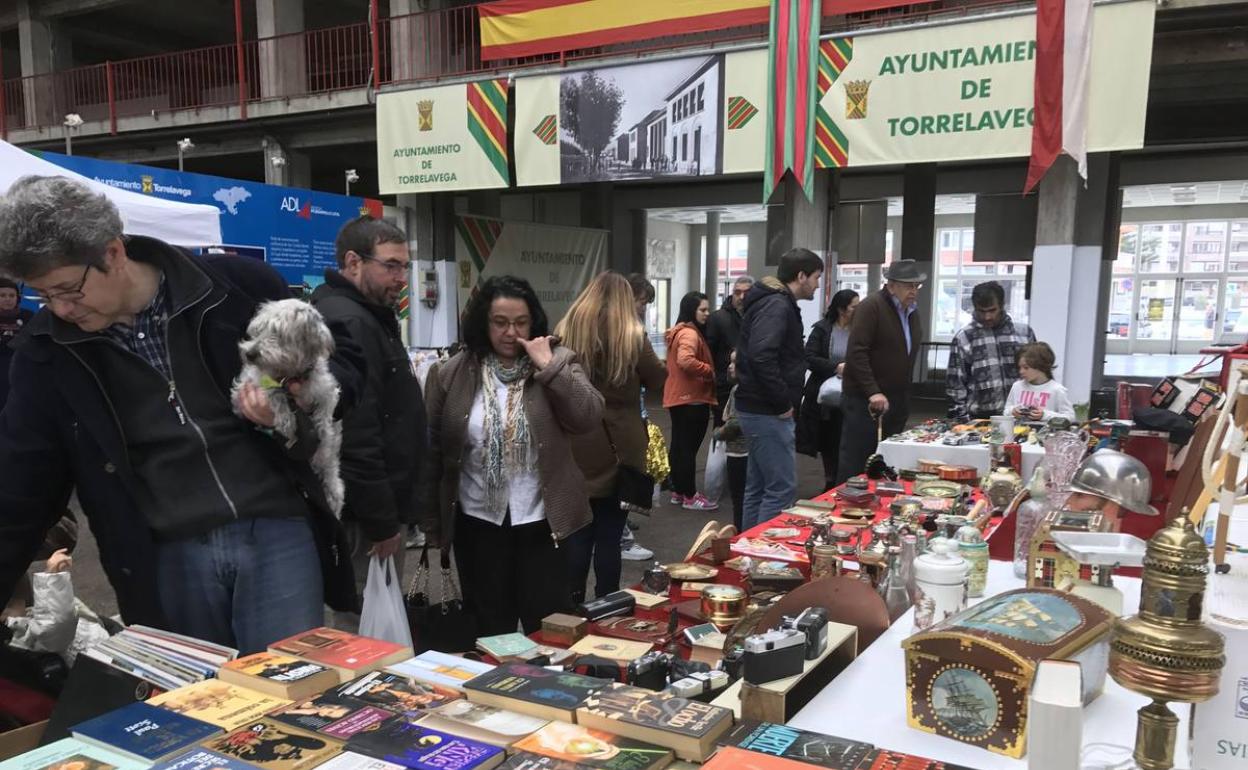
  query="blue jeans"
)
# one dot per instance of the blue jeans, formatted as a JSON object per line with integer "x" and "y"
{"x": 771, "y": 478}
{"x": 245, "y": 584}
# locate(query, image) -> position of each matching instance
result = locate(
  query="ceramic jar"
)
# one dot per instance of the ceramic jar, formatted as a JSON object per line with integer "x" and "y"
{"x": 940, "y": 578}
{"x": 1001, "y": 486}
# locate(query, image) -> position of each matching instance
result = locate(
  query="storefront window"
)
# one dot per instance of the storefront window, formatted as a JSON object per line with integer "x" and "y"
{"x": 1235, "y": 316}
{"x": 1128, "y": 247}
{"x": 1205, "y": 247}
{"x": 957, "y": 274}
{"x": 1237, "y": 254}
{"x": 1160, "y": 245}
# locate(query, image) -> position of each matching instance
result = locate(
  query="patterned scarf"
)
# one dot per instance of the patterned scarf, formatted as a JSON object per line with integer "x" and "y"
{"x": 508, "y": 443}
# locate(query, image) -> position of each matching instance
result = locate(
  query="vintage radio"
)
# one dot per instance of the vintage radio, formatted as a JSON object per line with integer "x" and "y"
{"x": 1047, "y": 565}
{"x": 968, "y": 677}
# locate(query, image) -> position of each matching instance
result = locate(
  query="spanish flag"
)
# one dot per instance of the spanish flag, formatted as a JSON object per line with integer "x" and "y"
{"x": 516, "y": 28}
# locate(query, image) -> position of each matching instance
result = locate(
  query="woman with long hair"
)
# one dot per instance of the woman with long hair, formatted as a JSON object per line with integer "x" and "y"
{"x": 819, "y": 427}
{"x": 603, "y": 329}
{"x": 688, "y": 397}
{"x": 498, "y": 473}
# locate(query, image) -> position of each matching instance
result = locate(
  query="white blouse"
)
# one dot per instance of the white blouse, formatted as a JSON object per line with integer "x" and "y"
{"x": 524, "y": 492}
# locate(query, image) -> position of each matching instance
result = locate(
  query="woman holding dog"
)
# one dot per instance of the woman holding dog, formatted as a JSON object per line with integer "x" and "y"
{"x": 501, "y": 413}
{"x": 603, "y": 329}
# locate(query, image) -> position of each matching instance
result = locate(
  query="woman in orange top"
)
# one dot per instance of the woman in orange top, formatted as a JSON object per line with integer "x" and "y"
{"x": 688, "y": 396}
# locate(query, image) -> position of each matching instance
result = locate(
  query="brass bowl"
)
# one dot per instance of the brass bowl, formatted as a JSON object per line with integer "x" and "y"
{"x": 723, "y": 605}
{"x": 942, "y": 489}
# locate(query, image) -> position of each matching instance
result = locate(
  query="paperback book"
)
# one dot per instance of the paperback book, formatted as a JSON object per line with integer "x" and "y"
{"x": 203, "y": 759}
{"x": 506, "y": 646}
{"x": 690, "y": 728}
{"x": 397, "y": 693}
{"x": 594, "y": 749}
{"x": 884, "y": 759}
{"x": 620, "y": 650}
{"x": 278, "y": 675}
{"x": 332, "y": 714}
{"x": 349, "y": 760}
{"x": 273, "y": 746}
{"x": 441, "y": 669}
{"x": 348, "y": 654}
{"x": 219, "y": 703}
{"x": 71, "y": 754}
{"x": 826, "y": 751}
{"x": 533, "y": 690}
{"x": 480, "y": 722}
{"x": 92, "y": 688}
{"x": 419, "y": 747}
{"x": 144, "y": 733}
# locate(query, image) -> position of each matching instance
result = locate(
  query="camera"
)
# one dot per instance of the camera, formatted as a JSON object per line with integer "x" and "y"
{"x": 813, "y": 624}
{"x": 698, "y": 684}
{"x": 650, "y": 671}
{"x": 774, "y": 655}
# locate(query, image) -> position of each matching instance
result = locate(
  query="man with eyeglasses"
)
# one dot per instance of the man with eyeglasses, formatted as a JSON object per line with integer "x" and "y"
{"x": 983, "y": 361}
{"x": 879, "y": 359}
{"x": 383, "y": 437}
{"x": 723, "y": 329}
{"x": 207, "y": 525}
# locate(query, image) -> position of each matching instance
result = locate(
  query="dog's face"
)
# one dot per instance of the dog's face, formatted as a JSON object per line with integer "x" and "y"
{"x": 286, "y": 338}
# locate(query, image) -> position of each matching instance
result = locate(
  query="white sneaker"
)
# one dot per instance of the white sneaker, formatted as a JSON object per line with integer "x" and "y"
{"x": 415, "y": 539}
{"x": 636, "y": 553}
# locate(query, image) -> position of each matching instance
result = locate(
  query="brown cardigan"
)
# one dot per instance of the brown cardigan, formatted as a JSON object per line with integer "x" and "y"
{"x": 876, "y": 359}
{"x": 558, "y": 400}
{"x": 623, "y": 417}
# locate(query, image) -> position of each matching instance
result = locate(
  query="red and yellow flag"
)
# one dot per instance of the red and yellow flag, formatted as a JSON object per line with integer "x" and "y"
{"x": 792, "y": 91}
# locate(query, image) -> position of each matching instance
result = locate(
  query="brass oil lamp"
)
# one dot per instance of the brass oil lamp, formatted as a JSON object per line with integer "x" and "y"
{"x": 1165, "y": 652}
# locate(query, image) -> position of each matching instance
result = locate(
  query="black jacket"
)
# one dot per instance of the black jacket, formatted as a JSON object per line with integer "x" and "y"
{"x": 723, "y": 329}
{"x": 821, "y": 368}
{"x": 59, "y": 433}
{"x": 771, "y": 363}
{"x": 384, "y": 436}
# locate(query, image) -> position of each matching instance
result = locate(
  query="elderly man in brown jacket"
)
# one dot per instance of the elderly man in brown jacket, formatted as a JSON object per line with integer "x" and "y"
{"x": 883, "y": 343}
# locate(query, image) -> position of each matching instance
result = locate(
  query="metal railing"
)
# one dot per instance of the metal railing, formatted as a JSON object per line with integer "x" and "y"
{"x": 420, "y": 47}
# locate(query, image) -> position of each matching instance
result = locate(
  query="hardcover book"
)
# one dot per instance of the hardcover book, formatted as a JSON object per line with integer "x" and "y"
{"x": 331, "y": 714}
{"x": 533, "y": 690}
{"x": 480, "y": 722}
{"x": 144, "y": 733}
{"x": 273, "y": 746}
{"x": 278, "y": 675}
{"x": 689, "y": 728}
{"x": 70, "y": 754}
{"x": 397, "y": 693}
{"x": 421, "y": 748}
{"x": 348, "y": 654}
{"x": 615, "y": 649}
{"x": 634, "y": 629}
{"x": 884, "y": 759}
{"x": 225, "y": 705}
{"x": 799, "y": 745}
{"x": 585, "y": 748}
{"x": 441, "y": 669}
{"x": 504, "y": 646}
{"x": 349, "y": 760}
{"x": 203, "y": 759}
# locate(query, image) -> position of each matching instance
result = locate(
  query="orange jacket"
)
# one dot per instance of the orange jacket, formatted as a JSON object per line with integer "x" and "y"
{"x": 690, "y": 370}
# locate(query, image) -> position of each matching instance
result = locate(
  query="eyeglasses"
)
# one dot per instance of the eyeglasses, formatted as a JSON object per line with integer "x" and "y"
{"x": 68, "y": 295}
{"x": 392, "y": 267}
{"x": 503, "y": 324}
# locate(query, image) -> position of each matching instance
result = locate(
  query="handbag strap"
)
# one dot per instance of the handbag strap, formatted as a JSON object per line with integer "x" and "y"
{"x": 450, "y": 582}
{"x": 420, "y": 576}
{"x": 606, "y": 429}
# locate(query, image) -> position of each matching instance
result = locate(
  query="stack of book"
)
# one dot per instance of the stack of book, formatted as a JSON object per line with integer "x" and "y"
{"x": 164, "y": 659}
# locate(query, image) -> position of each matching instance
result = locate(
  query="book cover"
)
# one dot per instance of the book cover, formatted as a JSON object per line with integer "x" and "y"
{"x": 506, "y": 645}
{"x": 218, "y": 703}
{"x": 441, "y": 669}
{"x": 536, "y": 685}
{"x": 332, "y": 714}
{"x": 92, "y": 688}
{"x": 615, "y": 649}
{"x": 144, "y": 732}
{"x": 349, "y": 760}
{"x": 71, "y": 754}
{"x": 523, "y": 760}
{"x": 884, "y": 759}
{"x": 592, "y": 748}
{"x": 397, "y": 693}
{"x": 283, "y": 675}
{"x": 342, "y": 651}
{"x": 732, "y": 758}
{"x": 480, "y": 722}
{"x": 799, "y": 745}
{"x": 688, "y": 727}
{"x": 634, "y": 629}
{"x": 273, "y": 746}
{"x": 203, "y": 759}
{"x": 422, "y": 748}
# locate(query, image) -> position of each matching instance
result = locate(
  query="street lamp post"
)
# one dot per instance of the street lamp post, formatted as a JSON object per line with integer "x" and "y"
{"x": 71, "y": 123}
{"x": 351, "y": 178}
{"x": 185, "y": 145}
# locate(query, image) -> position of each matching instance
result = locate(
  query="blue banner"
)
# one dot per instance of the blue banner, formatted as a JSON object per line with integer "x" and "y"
{"x": 290, "y": 228}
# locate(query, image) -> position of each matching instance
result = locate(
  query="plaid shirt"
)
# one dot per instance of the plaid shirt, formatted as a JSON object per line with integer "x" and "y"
{"x": 982, "y": 367}
{"x": 146, "y": 336}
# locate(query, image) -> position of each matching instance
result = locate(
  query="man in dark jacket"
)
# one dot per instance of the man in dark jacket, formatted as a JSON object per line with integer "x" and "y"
{"x": 771, "y": 367}
{"x": 383, "y": 438}
{"x": 206, "y": 524}
{"x": 723, "y": 329}
{"x": 883, "y": 344}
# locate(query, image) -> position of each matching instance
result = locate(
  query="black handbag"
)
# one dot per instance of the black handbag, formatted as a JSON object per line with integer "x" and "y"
{"x": 446, "y": 626}
{"x": 632, "y": 485}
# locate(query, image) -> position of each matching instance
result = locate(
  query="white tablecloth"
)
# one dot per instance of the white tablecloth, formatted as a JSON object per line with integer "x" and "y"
{"x": 906, "y": 454}
{"x": 867, "y": 701}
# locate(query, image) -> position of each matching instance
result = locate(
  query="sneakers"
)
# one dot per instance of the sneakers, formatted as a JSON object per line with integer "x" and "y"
{"x": 636, "y": 553}
{"x": 677, "y": 499}
{"x": 415, "y": 538}
{"x": 699, "y": 503}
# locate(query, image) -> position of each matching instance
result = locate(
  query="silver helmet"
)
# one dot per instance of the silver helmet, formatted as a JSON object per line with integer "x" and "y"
{"x": 1118, "y": 477}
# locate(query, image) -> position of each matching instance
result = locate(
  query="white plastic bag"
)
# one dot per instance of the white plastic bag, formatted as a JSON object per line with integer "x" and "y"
{"x": 383, "y": 615}
{"x": 716, "y": 471}
{"x": 830, "y": 391}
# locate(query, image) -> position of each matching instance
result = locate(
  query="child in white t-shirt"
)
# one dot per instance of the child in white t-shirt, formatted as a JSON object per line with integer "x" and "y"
{"x": 1036, "y": 396}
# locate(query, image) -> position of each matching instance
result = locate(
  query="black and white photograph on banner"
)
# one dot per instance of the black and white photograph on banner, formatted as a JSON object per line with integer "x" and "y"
{"x": 641, "y": 121}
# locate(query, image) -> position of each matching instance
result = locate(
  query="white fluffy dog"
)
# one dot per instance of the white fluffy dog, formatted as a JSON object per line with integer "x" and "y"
{"x": 288, "y": 339}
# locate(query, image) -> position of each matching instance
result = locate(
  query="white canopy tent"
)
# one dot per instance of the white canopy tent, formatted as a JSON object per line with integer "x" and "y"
{"x": 184, "y": 224}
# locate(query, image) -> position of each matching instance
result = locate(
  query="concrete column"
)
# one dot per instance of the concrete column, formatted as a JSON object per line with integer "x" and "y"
{"x": 45, "y": 49}
{"x": 918, "y": 228}
{"x": 794, "y": 221}
{"x": 283, "y": 61}
{"x": 710, "y": 266}
{"x": 634, "y": 258}
{"x": 875, "y": 277}
{"x": 418, "y": 38}
{"x": 285, "y": 167}
{"x": 1068, "y": 269}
